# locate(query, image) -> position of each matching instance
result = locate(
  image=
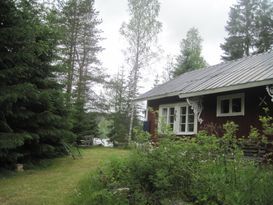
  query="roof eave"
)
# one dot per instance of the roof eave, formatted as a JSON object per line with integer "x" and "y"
{"x": 227, "y": 88}
{"x": 210, "y": 91}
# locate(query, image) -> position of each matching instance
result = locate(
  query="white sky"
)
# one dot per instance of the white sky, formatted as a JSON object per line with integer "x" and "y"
{"x": 177, "y": 17}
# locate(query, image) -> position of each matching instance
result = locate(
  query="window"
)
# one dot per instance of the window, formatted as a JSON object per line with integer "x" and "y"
{"x": 180, "y": 117}
{"x": 231, "y": 105}
{"x": 168, "y": 116}
{"x": 186, "y": 120}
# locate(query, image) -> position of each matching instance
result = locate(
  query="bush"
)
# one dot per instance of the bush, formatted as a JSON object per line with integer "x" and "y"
{"x": 201, "y": 170}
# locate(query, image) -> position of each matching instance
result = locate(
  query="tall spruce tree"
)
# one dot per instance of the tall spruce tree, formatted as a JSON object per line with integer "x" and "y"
{"x": 264, "y": 26}
{"x": 249, "y": 29}
{"x": 119, "y": 101}
{"x": 190, "y": 57}
{"x": 81, "y": 46}
{"x": 33, "y": 119}
{"x": 141, "y": 33}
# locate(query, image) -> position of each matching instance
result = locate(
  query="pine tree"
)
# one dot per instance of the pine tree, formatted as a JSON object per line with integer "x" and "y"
{"x": 190, "y": 57}
{"x": 33, "y": 118}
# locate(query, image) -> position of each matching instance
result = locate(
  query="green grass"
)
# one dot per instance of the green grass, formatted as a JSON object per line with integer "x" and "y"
{"x": 54, "y": 184}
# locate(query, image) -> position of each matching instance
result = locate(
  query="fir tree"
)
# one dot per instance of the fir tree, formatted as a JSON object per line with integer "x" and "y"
{"x": 264, "y": 26}
{"x": 81, "y": 47}
{"x": 119, "y": 101}
{"x": 250, "y": 29}
{"x": 33, "y": 119}
{"x": 190, "y": 57}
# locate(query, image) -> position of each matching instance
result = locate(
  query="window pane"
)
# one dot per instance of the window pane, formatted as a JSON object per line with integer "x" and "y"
{"x": 224, "y": 106}
{"x": 171, "y": 119}
{"x": 171, "y": 111}
{"x": 171, "y": 126}
{"x": 183, "y": 119}
{"x": 183, "y": 110}
{"x": 164, "y": 111}
{"x": 182, "y": 128}
{"x": 236, "y": 105}
{"x": 190, "y": 127}
{"x": 164, "y": 115}
{"x": 190, "y": 111}
{"x": 190, "y": 118}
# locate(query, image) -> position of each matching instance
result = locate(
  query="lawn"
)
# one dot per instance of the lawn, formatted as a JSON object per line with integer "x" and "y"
{"x": 54, "y": 184}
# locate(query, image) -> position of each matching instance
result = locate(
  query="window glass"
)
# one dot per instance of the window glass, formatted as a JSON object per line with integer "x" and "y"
{"x": 186, "y": 119}
{"x": 171, "y": 117}
{"x": 236, "y": 105}
{"x": 164, "y": 114}
{"x": 230, "y": 105}
{"x": 190, "y": 127}
{"x": 182, "y": 127}
{"x": 190, "y": 111}
{"x": 183, "y": 110}
{"x": 190, "y": 118}
{"x": 182, "y": 121}
{"x": 224, "y": 106}
{"x": 171, "y": 111}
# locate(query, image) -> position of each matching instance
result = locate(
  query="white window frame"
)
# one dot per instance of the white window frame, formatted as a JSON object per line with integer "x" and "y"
{"x": 177, "y": 107}
{"x": 168, "y": 106}
{"x": 230, "y": 97}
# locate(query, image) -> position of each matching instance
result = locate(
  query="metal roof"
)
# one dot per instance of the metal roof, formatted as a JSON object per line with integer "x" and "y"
{"x": 251, "y": 71}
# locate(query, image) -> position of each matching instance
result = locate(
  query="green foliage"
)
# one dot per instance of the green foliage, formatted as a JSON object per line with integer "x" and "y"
{"x": 33, "y": 119}
{"x": 249, "y": 29}
{"x": 190, "y": 57}
{"x": 201, "y": 170}
{"x": 165, "y": 130}
{"x": 85, "y": 124}
{"x": 119, "y": 128}
{"x": 267, "y": 123}
{"x": 104, "y": 125}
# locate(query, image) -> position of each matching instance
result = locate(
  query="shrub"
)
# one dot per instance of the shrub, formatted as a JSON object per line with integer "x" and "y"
{"x": 201, "y": 170}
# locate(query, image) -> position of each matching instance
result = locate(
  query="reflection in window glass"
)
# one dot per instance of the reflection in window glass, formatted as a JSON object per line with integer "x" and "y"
{"x": 182, "y": 124}
{"x": 190, "y": 127}
{"x": 186, "y": 123}
{"x": 164, "y": 114}
{"x": 236, "y": 105}
{"x": 224, "y": 106}
{"x": 180, "y": 119}
{"x": 171, "y": 117}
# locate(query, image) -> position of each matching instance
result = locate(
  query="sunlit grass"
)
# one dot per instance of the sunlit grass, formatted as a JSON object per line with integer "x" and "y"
{"x": 54, "y": 184}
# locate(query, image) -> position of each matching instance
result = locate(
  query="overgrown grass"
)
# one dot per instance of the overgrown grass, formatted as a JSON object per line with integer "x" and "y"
{"x": 54, "y": 183}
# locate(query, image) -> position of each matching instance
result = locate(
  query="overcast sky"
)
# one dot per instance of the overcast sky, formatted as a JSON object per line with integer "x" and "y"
{"x": 177, "y": 17}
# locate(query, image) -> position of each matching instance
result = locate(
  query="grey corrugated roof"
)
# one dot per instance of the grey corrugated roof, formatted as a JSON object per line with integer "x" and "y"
{"x": 246, "y": 72}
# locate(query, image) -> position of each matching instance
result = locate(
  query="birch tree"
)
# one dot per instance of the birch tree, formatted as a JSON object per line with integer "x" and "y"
{"x": 141, "y": 34}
